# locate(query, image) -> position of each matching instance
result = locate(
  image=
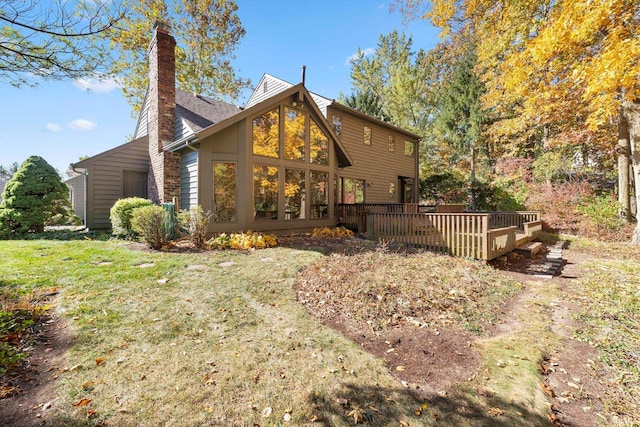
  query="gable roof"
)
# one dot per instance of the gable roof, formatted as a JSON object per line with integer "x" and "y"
{"x": 343, "y": 156}
{"x": 200, "y": 112}
{"x": 193, "y": 112}
{"x": 83, "y": 164}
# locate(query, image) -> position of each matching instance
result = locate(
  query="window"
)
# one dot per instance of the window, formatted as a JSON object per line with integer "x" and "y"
{"x": 319, "y": 145}
{"x": 134, "y": 184}
{"x": 367, "y": 135}
{"x": 337, "y": 124}
{"x": 392, "y": 190}
{"x": 319, "y": 195}
{"x": 266, "y": 134}
{"x": 294, "y": 130}
{"x": 265, "y": 191}
{"x": 352, "y": 190}
{"x": 294, "y": 194}
{"x": 392, "y": 143}
{"x": 409, "y": 148}
{"x": 224, "y": 192}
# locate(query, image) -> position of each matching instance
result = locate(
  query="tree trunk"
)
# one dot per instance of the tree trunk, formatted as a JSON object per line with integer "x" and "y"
{"x": 632, "y": 114}
{"x": 472, "y": 189}
{"x": 623, "y": 150}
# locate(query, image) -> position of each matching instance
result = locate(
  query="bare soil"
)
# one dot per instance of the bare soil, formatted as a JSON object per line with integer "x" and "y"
{"x": 427, "y": 361}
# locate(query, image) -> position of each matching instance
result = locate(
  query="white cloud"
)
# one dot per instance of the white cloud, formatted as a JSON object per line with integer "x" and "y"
{"x": 366, "y": 52}
{"x": 82, "y": 124}
{"x": 53, "y": 127}
{"x": 96, "y": 85}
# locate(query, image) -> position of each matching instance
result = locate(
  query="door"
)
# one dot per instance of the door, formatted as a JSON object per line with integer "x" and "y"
{"x": 134, "y": 184}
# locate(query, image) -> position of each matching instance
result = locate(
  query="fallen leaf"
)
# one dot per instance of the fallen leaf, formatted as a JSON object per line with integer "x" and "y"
{"x": 82, "y": 402}
{"x": 547, "y": 390}
{"x": 91, "y": 413}
{"x": 495, "y": 412}
{"x": 100, "y": 360}
{"x": 287, "y": 418}
{"x": 87, "y": 385}
{"x": 266, "y": 412}
{"x": 342, "y": 401}
{"x": 400, "y": 368}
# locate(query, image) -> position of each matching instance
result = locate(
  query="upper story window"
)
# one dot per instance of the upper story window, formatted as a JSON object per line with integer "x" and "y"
{"x": 392, "y": 143}
{"x": 367, "y": 135}
{"x": 337, "y": 124}
{"x": 319, "y": 145}
{"x": 294, "y": 132}
{"x": 266, "y": 134}
{"x": 409, "y": 148}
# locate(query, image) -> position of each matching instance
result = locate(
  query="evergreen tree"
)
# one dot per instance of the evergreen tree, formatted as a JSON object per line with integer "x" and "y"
{"x": 32, "y": 197}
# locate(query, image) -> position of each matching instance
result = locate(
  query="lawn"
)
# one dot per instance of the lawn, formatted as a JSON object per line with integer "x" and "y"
{"x": 229, "y": 338}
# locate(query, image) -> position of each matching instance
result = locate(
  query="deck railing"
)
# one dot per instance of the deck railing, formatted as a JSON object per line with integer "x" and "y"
{"x": 467, "y": 235}
{"x": 353, "y": 215}
{"x": 513, "y": 219}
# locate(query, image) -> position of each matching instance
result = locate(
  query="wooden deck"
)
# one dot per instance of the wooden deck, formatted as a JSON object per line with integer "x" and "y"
{"x": 473, "y": 235}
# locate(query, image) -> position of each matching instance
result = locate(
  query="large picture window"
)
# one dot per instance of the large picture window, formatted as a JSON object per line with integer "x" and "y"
{"x": 265, "y": 191}
{"x": 319, "y": 145}
{"x": 224, "y": 192}
{"x": 352, "y": 190}
{"x": 266, "y": 134}
{"x": 294, "y": 194}
{"x": 319, "y": 194}
{"x": 294, "y": 130}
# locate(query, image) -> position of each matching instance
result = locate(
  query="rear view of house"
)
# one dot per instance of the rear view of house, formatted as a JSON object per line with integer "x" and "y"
{"x": 283, "y": 163}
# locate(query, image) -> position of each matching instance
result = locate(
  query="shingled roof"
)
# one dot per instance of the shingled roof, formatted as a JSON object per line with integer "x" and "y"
{"x": 200, "y": 112}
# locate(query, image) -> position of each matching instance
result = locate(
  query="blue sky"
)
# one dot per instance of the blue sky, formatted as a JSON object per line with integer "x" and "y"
{"x": 61, "y": 121}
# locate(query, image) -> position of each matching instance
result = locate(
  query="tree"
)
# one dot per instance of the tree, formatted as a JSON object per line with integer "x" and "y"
{"x": 53, "y": 40}
{"x": 206, "y": 33}
{"x": 7, "y": 173}
{"x": 460, "y": 117}
{"x": 566, "y": 64}
{"x": 32, "y": 197}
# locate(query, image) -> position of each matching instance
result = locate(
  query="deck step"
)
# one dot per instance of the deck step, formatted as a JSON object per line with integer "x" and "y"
{"x": 531, "y": 248}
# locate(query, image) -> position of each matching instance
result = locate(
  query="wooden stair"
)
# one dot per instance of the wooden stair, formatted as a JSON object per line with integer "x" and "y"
{"x": 530, "y": 249}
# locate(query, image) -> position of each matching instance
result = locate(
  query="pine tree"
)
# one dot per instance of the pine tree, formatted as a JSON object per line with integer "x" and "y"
{"x": 33, "y": 196}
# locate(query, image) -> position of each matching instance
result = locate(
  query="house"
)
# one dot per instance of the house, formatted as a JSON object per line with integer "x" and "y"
{"x": 77, "y": 195}
{"x": 3, "y": 183}
{"x": 283, "y": 163}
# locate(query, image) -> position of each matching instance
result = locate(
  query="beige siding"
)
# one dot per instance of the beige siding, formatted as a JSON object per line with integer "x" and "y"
{"x": 105, "y": 179}
{"x": 374, "y": 163}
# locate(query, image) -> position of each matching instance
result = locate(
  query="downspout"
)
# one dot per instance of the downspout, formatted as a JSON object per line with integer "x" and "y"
{"x": 86, "y": 192}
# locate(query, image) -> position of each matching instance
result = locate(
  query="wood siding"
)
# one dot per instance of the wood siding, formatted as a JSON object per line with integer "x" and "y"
{"x": 188, "y": 179}
{"x": 374, "y": 163}
{"x": 181, "y": 129}
{"x": 105, "y": 179}
{"x": 143, "y": 118}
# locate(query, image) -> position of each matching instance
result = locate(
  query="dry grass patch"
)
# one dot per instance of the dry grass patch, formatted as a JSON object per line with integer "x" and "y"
{"x": 386, "y": 289}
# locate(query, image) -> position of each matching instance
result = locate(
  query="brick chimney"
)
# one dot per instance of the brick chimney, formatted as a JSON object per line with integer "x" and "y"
{"x": 164, "y": 176}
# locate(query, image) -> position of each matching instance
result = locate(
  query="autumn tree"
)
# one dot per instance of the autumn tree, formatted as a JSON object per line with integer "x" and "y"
{"x": 206, "y": 33}
{"x": 556, "y": 65}
{"x": 53, "y": 40}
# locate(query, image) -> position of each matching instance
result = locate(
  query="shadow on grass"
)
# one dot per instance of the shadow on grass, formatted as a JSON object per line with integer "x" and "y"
{"x": 384, "y": 406}
{"x": 63, "y": 235}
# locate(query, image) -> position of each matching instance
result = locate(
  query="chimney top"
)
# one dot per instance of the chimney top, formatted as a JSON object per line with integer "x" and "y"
{"x": 162, "y": 27}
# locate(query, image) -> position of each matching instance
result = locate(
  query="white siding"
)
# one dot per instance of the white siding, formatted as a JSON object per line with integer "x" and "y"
{"x": 188, "y": 179}
{"x": 266, "y": 88}
{"x": 142, "y": 126}
{"x": 321, "y": 102}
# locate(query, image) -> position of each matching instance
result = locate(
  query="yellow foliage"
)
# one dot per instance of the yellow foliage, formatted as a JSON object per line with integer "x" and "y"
{"x": 243, "y": 241}
{"x": 327, "y": 232}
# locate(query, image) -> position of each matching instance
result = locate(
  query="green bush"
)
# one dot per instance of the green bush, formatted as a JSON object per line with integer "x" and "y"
{"x": 121, "y": 213}
{"x": 602, "y": 211}
{"x": 149, "y": 223}
{"x": 32, "y": 197}
{"x": 195, "y": 222}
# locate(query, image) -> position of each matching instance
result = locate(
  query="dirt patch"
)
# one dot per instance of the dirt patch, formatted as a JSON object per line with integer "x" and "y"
{"x": 34, "y": 396}
{"x": 426, "y": 361}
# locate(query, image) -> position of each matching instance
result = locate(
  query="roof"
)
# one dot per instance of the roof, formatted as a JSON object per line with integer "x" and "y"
{"x": 200, "y": 112}
{"x": 83, "y": 164}
{"x": 343, "y": 155}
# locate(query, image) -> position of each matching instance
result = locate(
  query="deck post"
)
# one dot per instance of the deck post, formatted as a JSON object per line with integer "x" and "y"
{"x": 485, "y": 237}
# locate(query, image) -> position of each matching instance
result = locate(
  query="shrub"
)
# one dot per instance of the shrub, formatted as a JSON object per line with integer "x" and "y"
{"x": 121, "y": 213}
{"x": 195, "y": 222}
{"x": 33, "y": 196}
{"x": 326, "y": 232}
{"x": 244, "y": 241}
{"x": 149, "y": 223}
